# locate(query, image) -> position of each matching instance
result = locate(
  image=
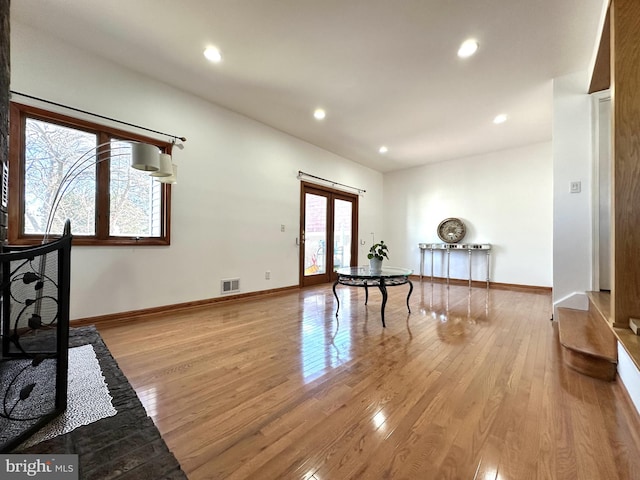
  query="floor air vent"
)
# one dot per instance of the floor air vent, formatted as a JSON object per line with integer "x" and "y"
{"x": 231, "y": 285}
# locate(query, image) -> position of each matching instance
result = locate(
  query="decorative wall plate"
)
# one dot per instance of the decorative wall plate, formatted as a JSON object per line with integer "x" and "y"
{"x": 451, "y": 230}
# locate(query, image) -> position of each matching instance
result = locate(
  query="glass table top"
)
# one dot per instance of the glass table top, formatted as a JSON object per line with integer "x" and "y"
{"x": 365, "y": 272}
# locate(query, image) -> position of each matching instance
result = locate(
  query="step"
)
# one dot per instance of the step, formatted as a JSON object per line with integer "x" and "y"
{"x": 601, "y": 301}
{"x": 588, "y": 344}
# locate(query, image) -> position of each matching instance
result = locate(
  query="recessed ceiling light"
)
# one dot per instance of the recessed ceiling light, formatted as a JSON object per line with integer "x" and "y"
{"x": 500, "y": 118}
{"x": 383, "y": 149}
{"x": 468, "y": 48}
{"x": 319, "y": 114}
{"x": 213, "y": 54}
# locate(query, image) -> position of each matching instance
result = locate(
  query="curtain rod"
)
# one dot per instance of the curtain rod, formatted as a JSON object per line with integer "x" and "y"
{"x": 301, "y": 173}
{"x": 175, "y": 137}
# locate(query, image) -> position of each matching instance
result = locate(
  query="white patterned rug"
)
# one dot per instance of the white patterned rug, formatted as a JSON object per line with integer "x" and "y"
{"x": 88, "y": 398}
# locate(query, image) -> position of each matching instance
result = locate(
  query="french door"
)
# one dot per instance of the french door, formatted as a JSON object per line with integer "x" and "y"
{"x": 328, "y": 233}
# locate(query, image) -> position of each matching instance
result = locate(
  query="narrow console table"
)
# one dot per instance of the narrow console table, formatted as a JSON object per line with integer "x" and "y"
{"x": 364, "y": 277}
{"x": 454, "y": 247}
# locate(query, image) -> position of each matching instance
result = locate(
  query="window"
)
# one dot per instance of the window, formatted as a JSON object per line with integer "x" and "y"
{"x": 107, "y": 201}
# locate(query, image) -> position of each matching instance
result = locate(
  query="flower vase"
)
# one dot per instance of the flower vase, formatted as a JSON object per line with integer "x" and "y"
{"x": 375, "y": 265}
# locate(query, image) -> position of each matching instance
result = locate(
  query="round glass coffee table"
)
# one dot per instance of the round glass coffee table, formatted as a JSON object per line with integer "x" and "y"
{"x": 364, "y": 277}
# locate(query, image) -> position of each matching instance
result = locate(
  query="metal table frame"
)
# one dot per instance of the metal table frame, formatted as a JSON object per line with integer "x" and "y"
{"x": 448, "y": 248}
{"x": 363, "y": 277}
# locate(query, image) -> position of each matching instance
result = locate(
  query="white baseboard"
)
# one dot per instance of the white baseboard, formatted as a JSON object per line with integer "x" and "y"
{"x": 575, "y": 300}
{"x": 629, "y": 375}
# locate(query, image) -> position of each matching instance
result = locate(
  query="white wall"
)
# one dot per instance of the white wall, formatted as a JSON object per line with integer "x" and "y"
{"x": 572, "y": 215}
{"x": 504, "y": 198}
{"x": 237, "y": 184}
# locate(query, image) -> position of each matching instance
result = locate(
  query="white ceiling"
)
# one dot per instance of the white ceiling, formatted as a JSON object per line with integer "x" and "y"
{"x": 386, "y": 71}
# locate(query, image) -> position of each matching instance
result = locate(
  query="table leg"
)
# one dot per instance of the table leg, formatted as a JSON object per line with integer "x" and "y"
{"x": 488, "y": 260}
{"x": 336, "y": 295}
{"x": 431, "y": 264}
{"x": 448, "y": 261}
{"x": 383, "y": 289}
{"x": 469, "y": 268}
{"x": 366, "y": 293}
{"x": 421, "y": 263}
{"x": 409, "y": 295}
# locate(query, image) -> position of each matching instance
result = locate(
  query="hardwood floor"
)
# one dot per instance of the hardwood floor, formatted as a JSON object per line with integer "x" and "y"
{"x": 470, "y": 385}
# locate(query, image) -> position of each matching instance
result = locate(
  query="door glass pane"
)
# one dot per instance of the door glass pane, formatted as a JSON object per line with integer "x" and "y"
{"x": 342, "y": 233}
{"x": 315, "y": 234}
{"x": 51, "y": 152}
{"x": 135, "y": 197}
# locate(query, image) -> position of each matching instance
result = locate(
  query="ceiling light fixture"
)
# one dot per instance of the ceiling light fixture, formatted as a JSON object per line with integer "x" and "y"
{"x": 383, "y": 149}
{"x": 500, "y": 118}
{"x": 319, "y": 114}
{"x": 468, "y": 48}
{"x": 213, "y": 54}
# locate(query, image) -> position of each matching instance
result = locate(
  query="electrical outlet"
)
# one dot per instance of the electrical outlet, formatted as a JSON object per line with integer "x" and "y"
{"x": 267, "y": 275}
{"x": 282, "y": 227}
